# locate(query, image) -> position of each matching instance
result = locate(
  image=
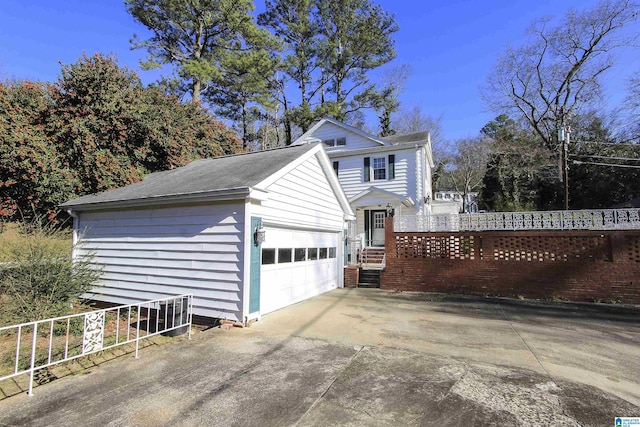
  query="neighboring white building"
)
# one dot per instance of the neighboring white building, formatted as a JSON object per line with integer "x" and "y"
{"x": 451, "y": 202}
{"x": 197, "y": 229}
{"x": 377, "y": 172}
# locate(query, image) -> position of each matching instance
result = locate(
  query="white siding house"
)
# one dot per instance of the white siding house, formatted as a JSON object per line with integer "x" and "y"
{"x": 377, "y": 173}
{"x": 193, "y": 230}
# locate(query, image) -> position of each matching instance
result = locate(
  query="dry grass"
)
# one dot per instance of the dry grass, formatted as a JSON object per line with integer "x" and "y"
{"x": 11, "y": 238}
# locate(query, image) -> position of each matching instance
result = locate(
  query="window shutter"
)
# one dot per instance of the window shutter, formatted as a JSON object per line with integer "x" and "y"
{"x": 335, "y": 167}
{"x": 366, "y": 228}
{"x": 367, "y": 172}
{"x": 392, "y": 166}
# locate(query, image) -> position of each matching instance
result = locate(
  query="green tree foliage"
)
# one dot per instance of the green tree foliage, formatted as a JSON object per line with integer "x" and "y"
{"x": 192, "y": 35}
{"x": 244, "y": 85}
{"x": 592, "y": 184}
{"x": 521, "y": 173}
{"x": 94, "y": 129}
{"x": 33, "y": 176}
{"x": 556, "y": 74}
{"x": 217, "y": 50}
{"x": 356, "y": 39}
{"x": 330, "y": 46}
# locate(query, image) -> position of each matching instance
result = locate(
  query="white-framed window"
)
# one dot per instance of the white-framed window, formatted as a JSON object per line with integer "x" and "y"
{"x": 379, "y": 168}
{"x": 335, "y": 142}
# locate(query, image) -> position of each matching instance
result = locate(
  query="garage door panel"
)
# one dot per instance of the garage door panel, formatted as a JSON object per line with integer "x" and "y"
{"x": 287, "y": 283}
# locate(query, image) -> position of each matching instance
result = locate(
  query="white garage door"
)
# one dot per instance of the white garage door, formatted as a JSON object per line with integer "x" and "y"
{"x": 297, "y": 265}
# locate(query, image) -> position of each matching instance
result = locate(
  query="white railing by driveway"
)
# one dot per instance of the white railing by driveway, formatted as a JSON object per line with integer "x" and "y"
{"x": 45, "y": 343}
{"x": 604, "y": 219}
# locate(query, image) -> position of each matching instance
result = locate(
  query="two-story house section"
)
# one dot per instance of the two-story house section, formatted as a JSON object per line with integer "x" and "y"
{"x": 377, "y": 173}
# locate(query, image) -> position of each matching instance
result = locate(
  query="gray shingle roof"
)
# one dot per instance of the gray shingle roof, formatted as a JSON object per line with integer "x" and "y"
{"x": 238, "y": 171}
{"x": 407, "y": 138}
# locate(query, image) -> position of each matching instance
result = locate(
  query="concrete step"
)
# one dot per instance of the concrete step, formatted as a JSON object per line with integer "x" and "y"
{"x": 369, "y": 285}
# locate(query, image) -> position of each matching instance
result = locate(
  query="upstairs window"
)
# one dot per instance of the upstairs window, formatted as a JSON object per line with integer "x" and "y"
{"x": 379, "y": 168}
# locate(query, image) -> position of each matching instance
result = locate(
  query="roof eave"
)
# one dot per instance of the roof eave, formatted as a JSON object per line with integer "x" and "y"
{"x": 204, "y": 196}
{"x": 346, "y": 153}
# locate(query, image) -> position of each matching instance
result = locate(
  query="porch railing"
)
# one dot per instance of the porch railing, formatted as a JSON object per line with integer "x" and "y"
{"x": 44, "y": 343}
{"x": 603, "y": 219}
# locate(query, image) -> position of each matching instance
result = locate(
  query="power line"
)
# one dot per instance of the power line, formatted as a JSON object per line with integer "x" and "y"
{"x": 579, "y": 162}
{"x": 625, "y": 142}
{"x": 606, "y": 157}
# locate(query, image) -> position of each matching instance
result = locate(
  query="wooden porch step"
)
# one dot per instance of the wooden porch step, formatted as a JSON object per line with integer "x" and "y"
{"x": 372, "y": 255}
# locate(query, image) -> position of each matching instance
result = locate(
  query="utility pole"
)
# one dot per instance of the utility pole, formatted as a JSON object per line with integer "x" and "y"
{"x": 563, "y": 139}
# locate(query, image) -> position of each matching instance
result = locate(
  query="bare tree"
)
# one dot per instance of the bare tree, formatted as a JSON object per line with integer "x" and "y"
{"x": 557, "y": 72}
{"x": 414, "y": 120}
{"x": 465, "y": 169}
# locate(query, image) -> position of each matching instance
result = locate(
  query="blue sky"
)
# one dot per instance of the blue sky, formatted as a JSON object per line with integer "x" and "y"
{"x": 451, "y": 46}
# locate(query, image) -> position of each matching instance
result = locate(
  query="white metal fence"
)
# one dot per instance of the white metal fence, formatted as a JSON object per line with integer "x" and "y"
{"x": 604, "y": 219}
{"x": 45, "y": 343}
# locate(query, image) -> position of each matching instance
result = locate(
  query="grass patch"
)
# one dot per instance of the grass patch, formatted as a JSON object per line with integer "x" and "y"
{"x": 12, "y": 236}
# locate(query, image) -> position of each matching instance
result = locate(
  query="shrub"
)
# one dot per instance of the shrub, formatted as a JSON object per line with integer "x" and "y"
{"x": 40, "y": 280}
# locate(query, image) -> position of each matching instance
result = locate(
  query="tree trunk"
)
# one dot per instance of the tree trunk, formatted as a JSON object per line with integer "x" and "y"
{"x": 244, "y": 126}
{"x": 195, "y": 92}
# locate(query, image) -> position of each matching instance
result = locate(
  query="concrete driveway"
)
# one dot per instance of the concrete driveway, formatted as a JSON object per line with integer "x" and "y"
{"x": 369, "y": 357}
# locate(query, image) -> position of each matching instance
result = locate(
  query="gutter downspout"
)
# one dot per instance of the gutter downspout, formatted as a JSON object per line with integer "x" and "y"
{"x": 74, "y": 234}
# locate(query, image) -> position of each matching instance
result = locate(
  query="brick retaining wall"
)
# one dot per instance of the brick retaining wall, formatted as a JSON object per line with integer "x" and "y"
{"x": 573, "y": 265}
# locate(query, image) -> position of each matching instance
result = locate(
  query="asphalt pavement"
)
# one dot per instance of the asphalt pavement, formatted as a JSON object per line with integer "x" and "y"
{"x": 368, "y": 357}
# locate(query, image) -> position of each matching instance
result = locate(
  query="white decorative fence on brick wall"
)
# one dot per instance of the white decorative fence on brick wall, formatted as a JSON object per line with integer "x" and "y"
{"x": 603, "y": 219}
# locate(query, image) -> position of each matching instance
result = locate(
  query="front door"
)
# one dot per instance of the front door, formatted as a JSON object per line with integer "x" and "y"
{"x": 374, "y": 227}
{"x": 377, "y": 234}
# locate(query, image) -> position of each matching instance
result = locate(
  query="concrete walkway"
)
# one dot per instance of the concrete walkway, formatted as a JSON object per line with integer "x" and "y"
{"x": 369, "y": 357}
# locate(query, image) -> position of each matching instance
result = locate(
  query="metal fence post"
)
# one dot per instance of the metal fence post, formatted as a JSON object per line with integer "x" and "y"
{"x": 138, "y": 332}
{"x": 33, "y": 358}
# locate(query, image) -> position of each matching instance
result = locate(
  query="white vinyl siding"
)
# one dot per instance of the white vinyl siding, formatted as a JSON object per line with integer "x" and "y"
{"x": 302, "y": 198}
{"x": 329, "y": 131}
{"x": 152, "y": 253}
{"x": 300, "y": 211}
{"x": 352, "y": 174}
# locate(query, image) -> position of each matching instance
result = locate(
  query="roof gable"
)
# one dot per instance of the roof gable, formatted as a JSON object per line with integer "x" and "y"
{"x": 328, "y": 121}
{"x": 374, "y": 195}
{"x": 235, "y": 172}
